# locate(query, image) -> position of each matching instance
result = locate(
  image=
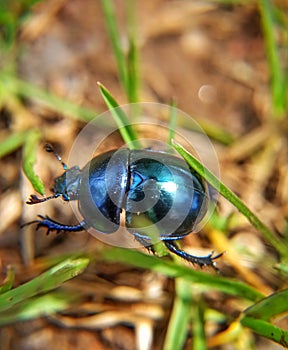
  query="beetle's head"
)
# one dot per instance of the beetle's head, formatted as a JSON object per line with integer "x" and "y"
{"x": 66, "y": 185}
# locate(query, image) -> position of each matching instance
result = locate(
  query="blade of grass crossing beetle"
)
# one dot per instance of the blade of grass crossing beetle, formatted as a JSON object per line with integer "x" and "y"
{"x": 29, "y": 159}
{"x": 173, "y": 270}
{"x": 232, "y": 198}
{"x": 127, "y": 132}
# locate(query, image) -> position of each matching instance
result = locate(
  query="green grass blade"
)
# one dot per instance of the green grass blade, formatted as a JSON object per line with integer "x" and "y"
{"x": 13, "y": 142}
{"x": 111, "y": 24}
{"x": 180, "y": 317}
{"x": 235, "y": 200}
{"x": 133, "y": 75}
{"x": 29, "y": 159}
{"x": 267, "y": 330}
{"x": 9, "y": 280}
{"x": 49, "y": 100}
{"x": 217, "y": 133}
{"x": 269, "y": 307}
{"x": 258, "y": 315}
{"x": 283, "y": 268}
{"x": 173, "y": 270}
{"x": 47, "y": 281}
{"x": 38, "y": 307}
{"x": 127, "y": 132}
{"x": 133, "y": 53}
{"x": 8, "y": 24}
{"x": 199, "y": 336}
{"x": 127, "y": 65}
{"x": 277, "y": 75}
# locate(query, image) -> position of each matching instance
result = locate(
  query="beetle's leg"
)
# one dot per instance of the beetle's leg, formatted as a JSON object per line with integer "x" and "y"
{"x": 35, "y": 200}
{"x": 52, "y": 225}
{"x": 207, "y": 260}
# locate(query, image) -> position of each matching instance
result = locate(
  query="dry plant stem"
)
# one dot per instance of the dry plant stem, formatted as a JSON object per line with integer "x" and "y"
{"x": 248, "y": 144}
{"x": 40, "y": 23}
{"x": 220, "y": 242}
{"x": 230, "y": 334}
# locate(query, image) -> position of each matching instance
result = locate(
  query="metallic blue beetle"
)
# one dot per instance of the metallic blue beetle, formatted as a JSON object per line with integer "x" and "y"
{"x": 143, "y": 186}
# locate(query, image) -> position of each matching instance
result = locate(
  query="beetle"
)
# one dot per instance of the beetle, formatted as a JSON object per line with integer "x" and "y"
{"x": 141, "y": 186}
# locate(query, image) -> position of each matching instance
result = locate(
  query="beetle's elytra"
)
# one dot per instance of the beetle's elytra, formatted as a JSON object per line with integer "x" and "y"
{"x": 147, "y": 188}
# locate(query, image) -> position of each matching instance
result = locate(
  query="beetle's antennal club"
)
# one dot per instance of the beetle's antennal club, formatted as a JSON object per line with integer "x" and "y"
{"x": 49, "y": 148}
{"x": 35, "y": 200}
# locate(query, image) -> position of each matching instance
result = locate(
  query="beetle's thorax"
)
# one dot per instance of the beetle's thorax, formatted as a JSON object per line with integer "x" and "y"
{"x": 68, "y": 184}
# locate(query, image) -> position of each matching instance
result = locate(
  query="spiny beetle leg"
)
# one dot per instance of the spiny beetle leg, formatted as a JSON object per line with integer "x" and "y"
{"x": 52, "y": 225}
{"x": 207, "y": 260}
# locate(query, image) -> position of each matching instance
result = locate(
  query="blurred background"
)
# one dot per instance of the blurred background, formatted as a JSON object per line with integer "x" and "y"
{"x": 224, "y": 63}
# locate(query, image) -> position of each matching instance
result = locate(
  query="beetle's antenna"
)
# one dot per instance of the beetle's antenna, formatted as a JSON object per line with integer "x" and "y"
{"x": 49, "y": 148}
{"x": 35, "y": 200}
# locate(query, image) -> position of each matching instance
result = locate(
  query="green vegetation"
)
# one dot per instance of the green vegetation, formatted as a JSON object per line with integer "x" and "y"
{"x": 26, "y": 301}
